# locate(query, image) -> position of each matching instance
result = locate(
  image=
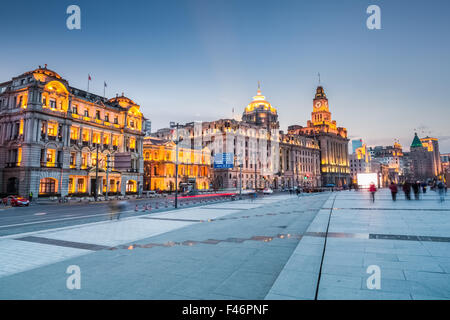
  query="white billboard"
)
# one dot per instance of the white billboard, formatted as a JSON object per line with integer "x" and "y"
{"x": 365, "y": 179}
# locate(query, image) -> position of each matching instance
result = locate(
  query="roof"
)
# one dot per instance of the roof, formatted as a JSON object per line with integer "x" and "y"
{"x": 416, "y": 143}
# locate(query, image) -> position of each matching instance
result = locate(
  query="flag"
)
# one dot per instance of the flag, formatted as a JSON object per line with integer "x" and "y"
{"x": 89, "y": 77}
{"x": 105, "y": 85}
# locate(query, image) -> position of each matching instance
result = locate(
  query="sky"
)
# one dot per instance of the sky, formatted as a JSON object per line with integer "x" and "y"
{"x": 196, "y": 60}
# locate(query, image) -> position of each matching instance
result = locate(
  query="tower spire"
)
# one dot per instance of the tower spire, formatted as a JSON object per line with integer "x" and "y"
{"x": 259, "y": 88}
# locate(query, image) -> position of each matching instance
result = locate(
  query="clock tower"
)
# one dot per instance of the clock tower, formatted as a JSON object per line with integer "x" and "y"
{"x": 321, "y": 114}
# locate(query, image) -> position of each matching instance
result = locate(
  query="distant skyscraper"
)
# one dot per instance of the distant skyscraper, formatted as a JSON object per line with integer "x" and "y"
{"x": 147, "y": 127}
{"x": 356, "y": 144}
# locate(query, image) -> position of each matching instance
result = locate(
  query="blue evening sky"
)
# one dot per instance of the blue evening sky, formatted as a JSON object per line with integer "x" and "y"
{"x": 186, "y": 60}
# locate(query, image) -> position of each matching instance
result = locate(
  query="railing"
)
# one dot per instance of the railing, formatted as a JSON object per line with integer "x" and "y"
{"x": 51, "y": 164}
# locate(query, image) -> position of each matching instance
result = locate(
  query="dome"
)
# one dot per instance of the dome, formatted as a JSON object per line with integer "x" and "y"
{"x": 122, "y": 101}
{"x": 259, "y": 103}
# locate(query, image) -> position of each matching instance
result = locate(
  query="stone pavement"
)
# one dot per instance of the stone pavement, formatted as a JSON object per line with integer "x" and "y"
{"x": 408, "y": 240}
{"x": 232, "y": 250}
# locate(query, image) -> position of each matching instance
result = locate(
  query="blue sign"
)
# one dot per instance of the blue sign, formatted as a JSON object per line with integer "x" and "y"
{"x": 223, "y": 161}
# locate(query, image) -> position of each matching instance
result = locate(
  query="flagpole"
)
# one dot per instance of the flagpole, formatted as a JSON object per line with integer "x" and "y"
{"x": 89, "y": 78}
{"x": 104, "y": 88}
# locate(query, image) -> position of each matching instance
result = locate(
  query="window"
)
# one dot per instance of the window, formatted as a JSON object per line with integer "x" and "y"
{"x": 96, "y": 137}
{"x": 52, "y": 103}
{"x": 51, "y": 157}
{"x": 74, "y": 133}
{"x": 75, "y": 109}
{"x": 47, "y": 186}
{"x": 131, "y": 186}
{"x": 107, "y": 117}
{"x": 97, "y": 114}
{"x": 116, "y": 120}
{"x": 132, "y": 143}
{"x": 85, "y": 135}
{"x": 86, "y": 113}
{"x": 84, "y": 158}
{"x": 105, "y": 139}
{"x": 80, "y": 185}
{"x": 52, "y": 129}
{"x": 73, "y": 159}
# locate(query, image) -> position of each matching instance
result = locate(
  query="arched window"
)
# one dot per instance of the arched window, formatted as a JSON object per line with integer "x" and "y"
{"x": 47, "y": 186}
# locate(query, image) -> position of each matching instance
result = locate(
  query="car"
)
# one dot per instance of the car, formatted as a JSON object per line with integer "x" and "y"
{"x": 267, "y": 191}
{"x": 16, "y": 201}
{"x": 151, "y": 194}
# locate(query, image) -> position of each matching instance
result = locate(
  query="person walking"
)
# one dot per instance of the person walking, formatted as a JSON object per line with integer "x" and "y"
{"x": 407, "y": 190}
{"x": 441, "y": 190}
{"x": 30, "y": 197}
{"x": 416, "y": 190}
{"x": 372, "y": 190}
{"x": 394, "y": 191}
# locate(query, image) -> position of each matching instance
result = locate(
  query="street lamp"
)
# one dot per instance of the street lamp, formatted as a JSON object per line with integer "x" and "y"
{"x": 241, "y": 164}
{"x": 177, "y": 141}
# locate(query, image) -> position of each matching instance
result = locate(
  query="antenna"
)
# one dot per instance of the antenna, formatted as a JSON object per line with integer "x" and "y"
{"x": 318, "y": 74}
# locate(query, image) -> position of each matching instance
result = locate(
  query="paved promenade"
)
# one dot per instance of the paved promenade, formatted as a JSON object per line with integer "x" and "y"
{"x": 408, "y": 240}
{"x": 276, "y": 247}
{"x": 232, "y": 250}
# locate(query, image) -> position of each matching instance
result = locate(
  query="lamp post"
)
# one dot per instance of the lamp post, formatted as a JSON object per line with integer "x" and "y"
{"x": 239, "y": 158}
{"x": 177, "y": 140}
{"x": 107, "y": 176}
{"x": 96, "y": 174}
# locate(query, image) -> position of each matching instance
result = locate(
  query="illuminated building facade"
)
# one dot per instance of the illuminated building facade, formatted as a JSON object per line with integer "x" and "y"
{"x": 421, "y": 161}
{"x": 194, "y": 166}
{"x": 392, "y": 157}
{"x": 50, "y": 133}
{"x": 432, "y": 145}
{"x": 360, "y": 162}
{"x": 269, "y": 158}
{"x": 332, "y": 140}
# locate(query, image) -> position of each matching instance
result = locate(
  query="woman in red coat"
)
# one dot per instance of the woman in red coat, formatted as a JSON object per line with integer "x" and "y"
{"x": 372, "y": 190}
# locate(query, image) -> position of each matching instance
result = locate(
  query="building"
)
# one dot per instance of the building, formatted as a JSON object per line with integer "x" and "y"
{"x": 51, "y": 135}
{"x": 194, "y": 166}
{"x": 422, "y": 161}
{"x": 263, "y": 156}
{"x": 392, "y": 157}
{"x": 445, "y": 161}
{"x": 432, "y": 146}
{"x": 360, "y": 162}
{"x": 332, "y": 140}
{"x": 147, "y": 127}
{"x": 356, "y": 144}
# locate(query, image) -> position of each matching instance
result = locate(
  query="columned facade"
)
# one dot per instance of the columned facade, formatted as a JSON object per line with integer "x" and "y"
{"x": 51, "y": 136}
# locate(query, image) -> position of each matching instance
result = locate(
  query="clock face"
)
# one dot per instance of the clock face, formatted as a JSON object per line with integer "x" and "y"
{"x": 318, "y": 104}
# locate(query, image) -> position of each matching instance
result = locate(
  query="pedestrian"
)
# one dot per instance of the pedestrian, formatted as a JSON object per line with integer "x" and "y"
{"x": 416, "y": 189}
{"x": 372, "y": 190}
{"x": 441, "y": 189}
{"x": 407, "y": 190}
{"x": 394, "y": 191}
{"x": 30, "y": 196}
{"x": 424, "y": 187}
{"x": 297, "y": 191}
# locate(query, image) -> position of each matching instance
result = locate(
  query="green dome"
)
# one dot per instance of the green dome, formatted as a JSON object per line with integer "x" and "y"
{"x": 416, "y": 142}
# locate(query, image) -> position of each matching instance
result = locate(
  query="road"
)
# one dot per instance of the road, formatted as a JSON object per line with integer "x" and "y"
{"x": 37, "y": 217}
